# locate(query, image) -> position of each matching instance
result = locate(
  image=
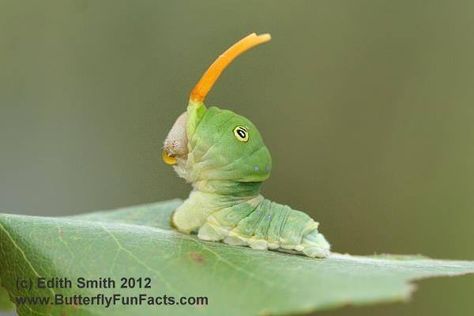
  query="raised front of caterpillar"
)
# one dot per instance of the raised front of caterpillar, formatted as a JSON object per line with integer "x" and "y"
{"x": 223, "y": 156}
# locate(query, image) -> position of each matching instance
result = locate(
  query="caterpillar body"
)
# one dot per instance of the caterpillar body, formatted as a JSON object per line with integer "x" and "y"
{"x": 223, "y": 156}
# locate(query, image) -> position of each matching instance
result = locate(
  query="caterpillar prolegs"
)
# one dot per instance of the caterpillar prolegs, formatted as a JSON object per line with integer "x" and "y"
{"x": 224, "y": 157}
{"x": 257, "y": 222}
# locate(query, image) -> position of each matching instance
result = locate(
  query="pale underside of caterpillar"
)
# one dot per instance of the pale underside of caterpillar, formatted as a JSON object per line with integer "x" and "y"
{"x": 257, "y": 222}
{"x": 223, "y": 156}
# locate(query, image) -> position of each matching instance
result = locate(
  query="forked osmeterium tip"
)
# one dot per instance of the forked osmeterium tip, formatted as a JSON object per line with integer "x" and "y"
{"x": 209, "y": 78}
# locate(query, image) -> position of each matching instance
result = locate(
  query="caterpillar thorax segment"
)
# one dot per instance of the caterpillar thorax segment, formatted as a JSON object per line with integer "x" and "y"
{"x": 223, "y": 156}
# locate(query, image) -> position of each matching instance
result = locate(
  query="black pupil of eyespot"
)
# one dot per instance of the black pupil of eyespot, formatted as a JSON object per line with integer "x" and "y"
{"x": 241, "y": 133}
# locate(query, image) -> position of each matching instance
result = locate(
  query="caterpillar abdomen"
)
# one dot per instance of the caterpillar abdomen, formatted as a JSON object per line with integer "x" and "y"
{"x": 262, "y": 224}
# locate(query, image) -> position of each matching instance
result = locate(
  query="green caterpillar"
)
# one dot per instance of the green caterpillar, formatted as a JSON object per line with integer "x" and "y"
{"x": 223, "y": 155}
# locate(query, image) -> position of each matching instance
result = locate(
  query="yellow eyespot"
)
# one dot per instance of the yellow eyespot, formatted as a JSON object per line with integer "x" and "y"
{"x": 241, "y": 133}
{"x": 168, "y": 159}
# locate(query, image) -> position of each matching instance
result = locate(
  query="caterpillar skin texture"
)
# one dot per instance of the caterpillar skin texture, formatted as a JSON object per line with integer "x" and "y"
{"x": 223, "y": 156}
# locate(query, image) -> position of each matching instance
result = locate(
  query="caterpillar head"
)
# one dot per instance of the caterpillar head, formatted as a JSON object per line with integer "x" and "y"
{"x": 207, "y": 144}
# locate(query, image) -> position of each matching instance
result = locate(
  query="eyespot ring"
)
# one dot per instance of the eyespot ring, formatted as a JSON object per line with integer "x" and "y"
{"x": 241, "y": 133}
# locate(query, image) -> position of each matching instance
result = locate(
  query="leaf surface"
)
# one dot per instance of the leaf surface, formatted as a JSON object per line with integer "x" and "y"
{"x": 139, "y": 242}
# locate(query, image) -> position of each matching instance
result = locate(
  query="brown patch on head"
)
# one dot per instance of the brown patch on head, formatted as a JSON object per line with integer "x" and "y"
{"x": 196, "y": 257}
{"x": 176, "y": 143}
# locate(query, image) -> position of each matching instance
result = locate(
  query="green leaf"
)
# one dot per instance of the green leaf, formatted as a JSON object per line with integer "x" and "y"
{"x": 5, "y": 303}
{"x": 139, "y": 242}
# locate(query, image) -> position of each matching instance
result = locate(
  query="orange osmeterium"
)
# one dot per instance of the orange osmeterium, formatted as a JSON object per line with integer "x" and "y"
{"x": 202, "y": 88}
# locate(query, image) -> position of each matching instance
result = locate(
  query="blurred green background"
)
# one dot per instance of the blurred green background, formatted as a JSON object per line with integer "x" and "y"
{"x": 366, "y": 106}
